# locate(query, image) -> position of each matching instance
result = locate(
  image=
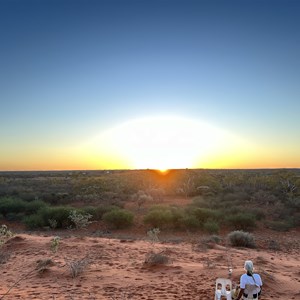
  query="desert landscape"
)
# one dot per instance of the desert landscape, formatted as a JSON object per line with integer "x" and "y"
{"x": 99, "y": 260}
{"x": 148, "y": 148}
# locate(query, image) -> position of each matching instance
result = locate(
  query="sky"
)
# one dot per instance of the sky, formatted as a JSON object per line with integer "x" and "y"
{"x": 149, "y": 84}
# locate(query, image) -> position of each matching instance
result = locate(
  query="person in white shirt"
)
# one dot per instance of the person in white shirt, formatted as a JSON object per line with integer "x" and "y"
{"x": 250, "y": 282}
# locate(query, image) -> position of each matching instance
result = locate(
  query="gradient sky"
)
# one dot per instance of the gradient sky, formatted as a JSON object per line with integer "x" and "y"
{"x": 71, "y": 72}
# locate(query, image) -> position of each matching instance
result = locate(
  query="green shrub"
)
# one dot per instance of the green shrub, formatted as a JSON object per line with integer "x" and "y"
{"x": 159, "y": 218}
{"x": 240, "y": 238}
{"x": 199, "y": 201}
{"x": 11, "y": 205}
{"x": 118, "y": 218}
{"x": 97, "y": 212}
{"x": 237, "y": 197}
{"x": 204, "y": 214}
{"x": 177, "y": 217}
{"x": 34, "y": 221}
{"x": 280, "y": 225}
{"x": 33, "y": 206}
{"x": 14, "y": 217}
{"x": 191, "y": 222}
{"x": 211, "y": 227}
{"x": 242, "y": 221}
{"x": 232, "y": 209}
{"x": 59, "y": 213}
{"x": 258, "y": 213}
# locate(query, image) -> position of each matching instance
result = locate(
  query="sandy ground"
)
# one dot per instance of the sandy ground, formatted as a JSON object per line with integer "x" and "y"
{"x": 115, "y": 269}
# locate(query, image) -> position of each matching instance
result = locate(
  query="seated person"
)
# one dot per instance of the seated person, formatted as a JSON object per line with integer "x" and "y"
{"x": 249, "y": 279}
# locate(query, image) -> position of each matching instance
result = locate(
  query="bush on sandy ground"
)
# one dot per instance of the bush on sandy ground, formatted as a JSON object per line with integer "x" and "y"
{"x": 240, "y": 238}
{"x": 159, "y": 217}
{"x": 190, "y": 222}
{"x": 211, "y": 227}
{"x": 80, "y": 220}
{"x": 44, "y": 265}
{"x": 78, "y": 266}
{"x": 283, "y": 225}
{"x": 203, "y": 214}
{"x": 34, "y": 206}
{"x": 58, "y": 213}
{"x": 97, "y": 212}
{"x": 156, "y": 258}
{"x": 241, "y": 221}
{"x": 118, "y": 218}
{"x": 34, "y": 221}
{"x": 11, "y": 205}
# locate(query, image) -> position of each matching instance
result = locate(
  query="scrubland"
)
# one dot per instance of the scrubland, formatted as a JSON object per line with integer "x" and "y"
{"x": 143, "y": 234}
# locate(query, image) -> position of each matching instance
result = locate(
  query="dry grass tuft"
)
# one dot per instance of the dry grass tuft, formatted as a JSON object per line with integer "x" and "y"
{"x": 44, "y": 264}
{"x": 78, "y": 266}
{"x": 157, "y": 258}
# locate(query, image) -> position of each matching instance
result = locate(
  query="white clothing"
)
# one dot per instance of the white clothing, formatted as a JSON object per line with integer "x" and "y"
{"x": 248, "y": 279}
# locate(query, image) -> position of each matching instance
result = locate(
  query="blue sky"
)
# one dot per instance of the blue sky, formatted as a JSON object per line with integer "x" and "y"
{"x": 72, "y": 69}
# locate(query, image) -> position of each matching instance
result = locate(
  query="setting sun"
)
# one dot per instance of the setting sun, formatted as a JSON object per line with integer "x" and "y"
{"x": 162, "y": 143}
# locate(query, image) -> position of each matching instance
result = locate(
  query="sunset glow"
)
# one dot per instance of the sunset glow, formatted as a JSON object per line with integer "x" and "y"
{"x": 149, "y": 84}
{"x": 164, "y": 143}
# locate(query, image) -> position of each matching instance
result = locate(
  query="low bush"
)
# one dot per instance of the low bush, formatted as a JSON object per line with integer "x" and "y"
{"x": 78, "y": 266}
{"x": 280, "y": 225}
{"x": 191, "y": 222}
{"x": 44, "y": 264}
{"x": 34, "y": 221}
{"x": 80, "y": 220}
{"x": 258, "y": 213}
{"x": 160, "y": 218}
{"x": 34, "y": 206}
{"x": 59, "y": 213}
{"x": 13, "y": 217}
{"x": 156, "y": 258}
{"x": 11, "y": 205}
{"x": 204, "y": 214}
{"x": 211, "y": 227}
{"x": 241, "y": 221}
{"x": 97, "y": 212}
{"x": 118, "y": 218}
{"x": 177, "y": 217}
{"x": 240, "y": 238}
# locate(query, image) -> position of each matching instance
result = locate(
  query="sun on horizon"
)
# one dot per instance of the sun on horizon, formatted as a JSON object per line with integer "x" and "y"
{"x": 162, "y": 143}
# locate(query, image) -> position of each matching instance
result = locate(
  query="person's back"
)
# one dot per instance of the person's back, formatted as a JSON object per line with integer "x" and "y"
{"x": 252, "y": 280}
{"x": 250, "y": 283}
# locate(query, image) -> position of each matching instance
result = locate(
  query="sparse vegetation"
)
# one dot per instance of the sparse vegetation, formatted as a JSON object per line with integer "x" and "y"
{"x": 222, "y": 198}
{"x": 78, "y": 266}
{"x": 55, "y": 244}
{"x": 44, "y": 264}
{"x": 5, "y": 234}
{"x": 240, "y": 238}
{"x": 156, "y": 258}
{"x": 118, "y": 218}
{"x": 241, "y": 221}
{"x": 211, "y": 227}
{"x": 80, "y": 220}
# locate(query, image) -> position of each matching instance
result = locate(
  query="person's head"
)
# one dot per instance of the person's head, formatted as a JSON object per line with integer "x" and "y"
{"x": 248, "y": 266}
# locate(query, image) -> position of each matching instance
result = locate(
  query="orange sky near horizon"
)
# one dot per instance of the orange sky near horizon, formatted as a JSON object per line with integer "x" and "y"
{"x": 153, "y": 143}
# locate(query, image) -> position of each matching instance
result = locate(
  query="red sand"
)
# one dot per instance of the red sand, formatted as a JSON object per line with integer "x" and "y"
{"x": 117, "y": 270}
